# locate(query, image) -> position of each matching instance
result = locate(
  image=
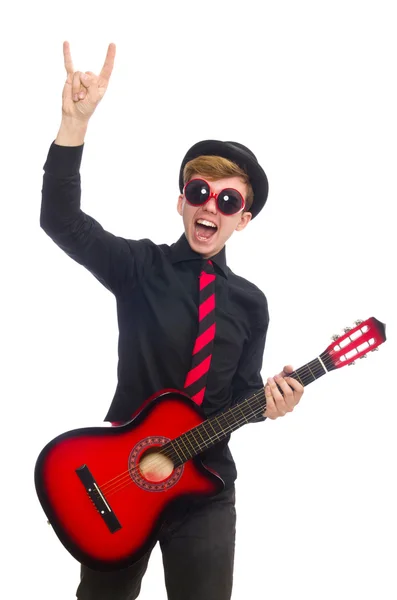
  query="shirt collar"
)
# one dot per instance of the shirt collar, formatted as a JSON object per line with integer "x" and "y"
{"x": 181, "y": 251}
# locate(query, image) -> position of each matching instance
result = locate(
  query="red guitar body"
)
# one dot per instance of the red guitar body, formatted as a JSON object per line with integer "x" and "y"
{"x": 116, "y": 526}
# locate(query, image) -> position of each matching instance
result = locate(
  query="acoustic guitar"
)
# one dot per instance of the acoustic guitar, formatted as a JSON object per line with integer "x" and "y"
{"x": 107, "y": 490}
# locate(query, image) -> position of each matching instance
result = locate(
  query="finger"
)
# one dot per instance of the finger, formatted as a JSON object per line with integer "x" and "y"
{"x": 88, "y": 79}
{"x": 278, "y": 397}
{"x": 109, "y": 62}
{"x": 296, "y": 386}
{"x": 76, "y": 85}
{"x": 289, "y": 396}
{"x": 288, "y": 369}
{"x": 271, "y": 410}
{"x": 67, "y": 58}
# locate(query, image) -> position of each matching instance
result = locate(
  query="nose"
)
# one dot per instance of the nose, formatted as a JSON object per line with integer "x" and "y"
{"x": 210, "y": 205}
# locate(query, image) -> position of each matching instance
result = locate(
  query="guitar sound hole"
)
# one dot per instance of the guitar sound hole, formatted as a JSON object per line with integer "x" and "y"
{"x": 154, "y": 466}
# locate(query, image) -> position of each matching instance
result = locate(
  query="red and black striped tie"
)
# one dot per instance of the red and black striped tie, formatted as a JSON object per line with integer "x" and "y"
{"x": 196, "y": 378}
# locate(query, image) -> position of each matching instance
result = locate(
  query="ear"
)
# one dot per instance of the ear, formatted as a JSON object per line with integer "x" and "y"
{"x": 179, "y": 207}
{"x": 245, "y": 219}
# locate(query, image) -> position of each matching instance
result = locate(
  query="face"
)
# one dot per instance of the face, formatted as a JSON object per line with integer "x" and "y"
{"x": 208, "y": 241}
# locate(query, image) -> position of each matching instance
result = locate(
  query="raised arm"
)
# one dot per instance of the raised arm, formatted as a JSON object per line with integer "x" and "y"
{"x": 112, "y": 260}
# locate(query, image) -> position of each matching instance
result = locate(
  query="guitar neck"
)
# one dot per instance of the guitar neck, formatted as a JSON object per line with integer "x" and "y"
{"x": 217, "y": 428}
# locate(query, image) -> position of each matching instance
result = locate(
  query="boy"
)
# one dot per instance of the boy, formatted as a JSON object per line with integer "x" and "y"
{"x": 186, "y": 321}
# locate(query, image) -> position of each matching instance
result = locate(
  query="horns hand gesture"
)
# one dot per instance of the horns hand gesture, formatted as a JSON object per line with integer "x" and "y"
{"x": 83, "y": 91}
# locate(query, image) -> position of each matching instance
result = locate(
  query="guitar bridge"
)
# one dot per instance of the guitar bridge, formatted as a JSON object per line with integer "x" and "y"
{"x": 101, "y": 504}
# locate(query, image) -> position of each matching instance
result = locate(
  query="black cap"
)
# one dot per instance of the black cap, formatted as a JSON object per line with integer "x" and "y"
{"x": 240, "y": 155}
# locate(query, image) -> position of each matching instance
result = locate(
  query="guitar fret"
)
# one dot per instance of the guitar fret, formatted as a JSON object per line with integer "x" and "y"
{"x": 182, "y": 438}
{"x": 250, "y": 409}
{"x": 240, "y": 409}
{"x": 192, "y": 447}
{"x": 314, "y": 377}
{"x": 197, "y": 442}
{"x": 198, "y": 429}
{"x": 177, "y": 441}
{"x": 217, "y": 421}
{"x": 230, "y": 418}
{"x": 296, "y": 376}
{"x": 175, "y": 452}
{"x": 209, "y": 423}
{"x": 260, "y": 405}
{"x": 235, "y": 424}
{"x": 319, "y": 367}
{"x": 224, "y": 417}
{"x": 207, "y": 437}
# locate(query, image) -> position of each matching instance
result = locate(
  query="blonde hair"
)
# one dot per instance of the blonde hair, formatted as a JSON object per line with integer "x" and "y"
{"x": 217, "y": 167}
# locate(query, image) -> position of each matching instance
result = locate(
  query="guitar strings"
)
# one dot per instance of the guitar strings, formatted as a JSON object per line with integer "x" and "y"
{"x": 124, "y": 479}
{"x": 126, "y": 475}
{"x": 116, "y": 481}
{"x": 119, "y": 481}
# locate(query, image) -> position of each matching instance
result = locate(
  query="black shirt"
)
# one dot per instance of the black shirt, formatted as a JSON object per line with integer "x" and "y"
{"x": 156, "y": 290}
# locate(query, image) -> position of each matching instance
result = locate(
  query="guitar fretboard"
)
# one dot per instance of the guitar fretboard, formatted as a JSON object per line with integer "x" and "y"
{"x": 217, "y": 428}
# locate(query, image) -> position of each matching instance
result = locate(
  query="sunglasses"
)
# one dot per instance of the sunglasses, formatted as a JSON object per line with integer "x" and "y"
{"x": 229, "y": 201}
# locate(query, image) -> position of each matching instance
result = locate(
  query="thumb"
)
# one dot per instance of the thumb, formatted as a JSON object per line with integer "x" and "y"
{"x": 288, "y": 369}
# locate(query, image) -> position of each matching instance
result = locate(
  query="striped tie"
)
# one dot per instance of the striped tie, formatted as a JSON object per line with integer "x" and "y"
{"x": 195, "y": 383}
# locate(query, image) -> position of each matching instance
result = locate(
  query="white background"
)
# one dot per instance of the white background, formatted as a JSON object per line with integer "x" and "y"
{"x": 310, "y": 87}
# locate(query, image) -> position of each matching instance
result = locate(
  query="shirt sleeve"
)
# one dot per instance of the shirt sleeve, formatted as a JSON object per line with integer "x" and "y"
{"x": 247, "y": 379}
{"x": 112, "y": 260}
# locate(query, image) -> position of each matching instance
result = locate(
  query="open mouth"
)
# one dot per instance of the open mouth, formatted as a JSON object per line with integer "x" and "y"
{"x": 205, "y": 230}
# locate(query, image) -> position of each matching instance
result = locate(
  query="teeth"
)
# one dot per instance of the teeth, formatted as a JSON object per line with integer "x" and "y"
{"x": 204, "y": 222}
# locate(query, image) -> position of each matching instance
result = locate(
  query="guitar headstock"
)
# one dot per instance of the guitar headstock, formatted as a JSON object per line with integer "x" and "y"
{"x": 354, "y": 343}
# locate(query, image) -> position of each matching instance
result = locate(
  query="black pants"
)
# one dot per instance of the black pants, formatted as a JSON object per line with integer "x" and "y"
{"x": 198, "y": 555}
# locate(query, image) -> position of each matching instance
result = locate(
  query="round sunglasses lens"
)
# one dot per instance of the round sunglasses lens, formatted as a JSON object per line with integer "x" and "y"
{"x": 230, "y": 202}
{"x": 197, "y": 192}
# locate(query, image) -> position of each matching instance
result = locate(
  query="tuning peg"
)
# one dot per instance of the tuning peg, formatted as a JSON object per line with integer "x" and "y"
{"x": 352, "y": 363}
{"x": 358, "y": 322}
{"x": 375, "y": 350}
{"x": 335, "y": 337}
{"x": 364, "y": 356}
{"x": 346, "y": 329}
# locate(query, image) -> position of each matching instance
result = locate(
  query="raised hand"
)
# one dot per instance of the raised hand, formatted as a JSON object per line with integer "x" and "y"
{"x": 83, "y": 91}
